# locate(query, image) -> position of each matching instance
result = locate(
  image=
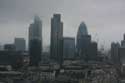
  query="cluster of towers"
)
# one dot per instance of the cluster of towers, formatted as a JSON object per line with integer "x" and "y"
{"x": 85, "y": 49}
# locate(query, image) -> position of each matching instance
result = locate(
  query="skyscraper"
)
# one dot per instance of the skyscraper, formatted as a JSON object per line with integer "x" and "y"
{"x": 123, "y": 42}
{"x": 92, "y": 51}
{"x": 68, "y": 47}
{"x": 83, "y": 41}
{"x": 115, "y": 53}
{"x": 20, "y": 44}
{"x": 56, "y": 38}
{"x": 35, "y": 41}
{"x": 122, "y": 50}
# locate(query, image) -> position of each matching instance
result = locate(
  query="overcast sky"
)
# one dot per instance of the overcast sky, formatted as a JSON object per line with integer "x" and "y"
{"x": 105, "y": 19}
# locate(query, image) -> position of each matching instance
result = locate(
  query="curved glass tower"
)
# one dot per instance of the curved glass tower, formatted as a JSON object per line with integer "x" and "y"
{"x": 83, "y": 40}
{"x": 82, "y": 29}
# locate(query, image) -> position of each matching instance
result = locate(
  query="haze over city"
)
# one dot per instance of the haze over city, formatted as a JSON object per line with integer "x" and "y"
{"x": 62, "y": 41}
{"x": 105, "y": 19}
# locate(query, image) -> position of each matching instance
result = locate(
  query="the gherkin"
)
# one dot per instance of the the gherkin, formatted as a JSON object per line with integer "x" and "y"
{"x": 83, "y": 40}
{"x": 82, "y": 29}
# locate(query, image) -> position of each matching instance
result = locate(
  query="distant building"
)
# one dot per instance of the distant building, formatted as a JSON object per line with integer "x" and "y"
{"x": 68, "y": 47}
{"x": 12, "y": 58}
{"x": 56, "y": 38}
{"x": 45, "y": 58}
{"x": 20, "y": 44}
{"x": 1, "y": 47}
{"x": 122, "y": 55}
{"x": 83, "y": 41}
{"x": 123, "y": 42}
{"x": 9, "y": 47}
{"x": 122, "y": 50}
{"x": 86, "y": 49}
{"x": 92, "y": 51}
{"x": 35, "y": 41}
{"x": 115, "y": 51}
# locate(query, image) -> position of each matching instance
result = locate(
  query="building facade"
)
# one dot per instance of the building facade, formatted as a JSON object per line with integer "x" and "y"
{"x": 20, "y": 44}
{"x": 83, "y": 41}
{"x": 86, "y": 49}
{"x": 9, "y": 47}
{"x": 56, "y": 38}
{"x": 115, "y": 55}
{"x": 35, "y": 41}
{"x": 123, "y": 42}
{"x": 68, "y": 47}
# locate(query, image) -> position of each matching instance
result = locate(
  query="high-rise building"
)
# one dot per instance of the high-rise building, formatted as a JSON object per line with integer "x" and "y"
{"x": 68, "y": 47}
{"x": 122, "y": 50}
{"x": 115, "y": 53}
{"x": 56, "y": 38}
{"x": 83, "y": 41}
{"x": 86, "y": 49}
{"x": 20, "y": 44}
{"x": 35, "y": 41}
{"x": 121, "y": 54}
{"x": 123, "y": 42}
{"x": 92, "y": 51}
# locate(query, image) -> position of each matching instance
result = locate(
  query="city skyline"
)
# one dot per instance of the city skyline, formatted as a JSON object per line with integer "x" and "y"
{"x": 62, "y": 41}
{"x": 104, "y": 19}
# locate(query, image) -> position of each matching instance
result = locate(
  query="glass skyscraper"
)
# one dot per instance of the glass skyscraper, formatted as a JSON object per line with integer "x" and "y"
{"x": 56, "y": 38}
{"x": 35, "y": 41}
{"x": 83, "y": 39}
{"x": 20, "y": 44}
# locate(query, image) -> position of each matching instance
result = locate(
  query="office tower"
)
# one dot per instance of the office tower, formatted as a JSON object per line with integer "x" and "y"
{"x": 122, "y": 50}
{"x": 56, "y": 38}
{"x": 35, "y": 41}
{"x": 92, "y": 51}
{"x": 20, "y": 44}
{"x": 68, "y": 47}
{"x": 123, "y": 42}
{"x": 83, "y": 41}
{"x": 115, "y": 53}
{"x": 121, "y": 53}
{"x": 9, "y": 47}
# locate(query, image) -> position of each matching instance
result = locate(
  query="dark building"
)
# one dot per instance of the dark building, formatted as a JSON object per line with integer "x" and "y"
{"x": 9, "y": 47}
{"x": 68, "y": 47}
{"x": 123, "y": 42}
{"x": 35, "y": 41}
{"x": 20, "y": 44}
{"x": 116, "y": 52}
{"x": 83, "y": 41}
{"x": 122, "y": 50}
{"x": 121, "y": 54}
{"x": 92, "y": 51}
{"x": 45, "y": 58}
{"x": 13, "y": 58}
{"x": 86, "y": 49}
{"x": 35, "y": 52}
{"x": 56, "y": 38}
